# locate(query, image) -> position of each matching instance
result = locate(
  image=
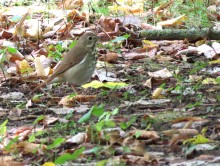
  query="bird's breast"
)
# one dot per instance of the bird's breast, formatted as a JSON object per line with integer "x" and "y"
{"x": 80, "y": 73}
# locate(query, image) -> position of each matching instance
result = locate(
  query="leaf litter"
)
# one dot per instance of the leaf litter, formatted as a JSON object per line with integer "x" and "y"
{"x": 157, "y": 103}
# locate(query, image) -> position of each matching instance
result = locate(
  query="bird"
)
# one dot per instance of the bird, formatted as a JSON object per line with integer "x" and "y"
{"x": 77, "y": 65}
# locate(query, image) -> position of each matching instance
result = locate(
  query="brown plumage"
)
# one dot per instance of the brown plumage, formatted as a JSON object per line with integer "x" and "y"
{"x": 77, "y": 65}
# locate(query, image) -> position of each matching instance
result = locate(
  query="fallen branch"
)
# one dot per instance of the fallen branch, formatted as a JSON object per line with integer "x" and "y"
{"x": 180, "y": 34}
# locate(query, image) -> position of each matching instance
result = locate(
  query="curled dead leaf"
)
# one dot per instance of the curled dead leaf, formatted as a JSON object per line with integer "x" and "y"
{"x": 71, "y": 4}
{"x": 108, "y": 24}
{"x": 70, "y": 101}
{"x": 109, "y": 57}
{"x": 164, "y": 73}
{"x": 157, "y": 93}
{"x": 26, "y": 148}
{"x": 143, "y": 134}
{"x": 76, "y": 15}
{"x": 187, "y": 132}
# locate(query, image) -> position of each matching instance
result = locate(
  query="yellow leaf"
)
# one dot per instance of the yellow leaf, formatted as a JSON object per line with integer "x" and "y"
{"x": 110, "y": 85}
{"x": 215, "y": 62}
{"x": 157, "y": 93}
{"x": 149, "y": 43}
{"x": 209, "y": 81}
{"x": 175, "y": 21}
{"x": 24, "y": 67}
{"x": 48, "y": 164}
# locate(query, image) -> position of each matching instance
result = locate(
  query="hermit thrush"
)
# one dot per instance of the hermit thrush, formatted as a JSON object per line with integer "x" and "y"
{"x": 77, "y": 65}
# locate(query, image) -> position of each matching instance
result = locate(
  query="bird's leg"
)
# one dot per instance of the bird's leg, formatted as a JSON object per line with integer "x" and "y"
{"x": 74, "y": 89}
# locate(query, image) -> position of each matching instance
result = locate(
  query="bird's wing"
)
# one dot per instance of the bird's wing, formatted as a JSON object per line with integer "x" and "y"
{"x": 70, "y": 59}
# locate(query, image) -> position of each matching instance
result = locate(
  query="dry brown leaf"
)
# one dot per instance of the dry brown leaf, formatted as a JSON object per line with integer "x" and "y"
{"x": 26, "y": 148}
{"x": 9, "y": 161}
{"x": 177, "y": 139}
{"x": 19, "y": 27}
{"x": 108, "y": 24}
{"x": 70, "y": 4}
{"x": 15, "y": 56}
{"x": 70, "y": 101}
{"x": 183, "y": 132}
{"x": 155, "y": 82}
{"x": 136, "y": 146}
{"x": 77, "y": 139}
{"x": 163, "y": 59}
{"x": 136, "y": 160}
{"x": 143, "y": 134}
{"x": 164, "y": 73}
{"x": 134, "y": 55}
{"x": 114, "y": 136}
{"x": 75, "y": 15}
{"x": 6, "y": 34}
{"x": 49, "y": 120}
{"x": 186, "y": 119}
{"x": 149, "y": 27}
{"x": 109, "y": 57}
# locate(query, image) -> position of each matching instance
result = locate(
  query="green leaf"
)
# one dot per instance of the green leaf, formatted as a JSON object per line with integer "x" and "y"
{"x": 11, "y": 142}
{"x": 12, "y": 50}
{"x": 124, "y": 125}
{"x": 105, "y": 123}
{"x": 39, "y": 118}
{"x": 95, "y": 110}
{"x": 56, "y": 143}
{"x": 67, "y": 157}
{"x": 110, "y": 124}
{"x": 121, "y": 38}
{"x": 85, "y": 117}
{"x": 137, "y": 134}
{"x": 98, "y": 110}
{"x": 218, "y": 80}
{"x": 72, "y": 44}
{"x": 32, "y": 138}
{"x": 110, "y": 85}
{"x": 99, "y": 126}
{"x": 101, "y": 163}
{"x": 115, "y": 111}
{"x": 3, "y": 128}
{"x": 103, "y": 115}
{"x": 199, "y": 139}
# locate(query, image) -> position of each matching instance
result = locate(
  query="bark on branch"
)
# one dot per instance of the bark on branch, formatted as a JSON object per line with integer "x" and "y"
{"x": 180, "y": 34}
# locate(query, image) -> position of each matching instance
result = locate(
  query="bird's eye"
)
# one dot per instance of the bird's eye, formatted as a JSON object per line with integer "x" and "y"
{"x": 90, "y": 38}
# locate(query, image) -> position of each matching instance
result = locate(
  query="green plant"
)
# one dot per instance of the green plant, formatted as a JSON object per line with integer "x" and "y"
{"x": 55, "y": 51}
{"x": 198, "y": 139}
{"x": 3, "y": 129}
{"x": 115, "y": 43}
{"x": 57, "y": 142}
{"x": 126, "y": 125}
{"x": 69, "y": 157}
{"x": 195, "y": 11}
{"x": 198, "y": 66}
{"x": 95, "y": 110}
{"x": 3, "y": 56}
